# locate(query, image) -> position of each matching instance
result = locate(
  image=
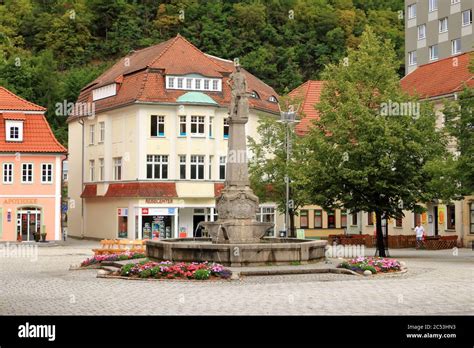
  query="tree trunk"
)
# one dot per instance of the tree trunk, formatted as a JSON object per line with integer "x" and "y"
{"x": 379, "y": 233}
{"x": 292, "y": 223}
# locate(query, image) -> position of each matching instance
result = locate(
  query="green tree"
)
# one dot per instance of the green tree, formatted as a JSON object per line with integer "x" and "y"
{"x": 365, "y": 155}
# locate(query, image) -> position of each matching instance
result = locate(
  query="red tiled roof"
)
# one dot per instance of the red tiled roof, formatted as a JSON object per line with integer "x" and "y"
{"x": 141, "y": 77}
{"x": 90, "y": 191}
{"x": 439, "y": 78}
{"x": 310, "y": 94}
{"x": 10, "y": 101}
{"x": 142, "y": 189}
{"x": 37, "y": 135}
{"x": 218, "y": 187}
{"x": 20, "y": 116}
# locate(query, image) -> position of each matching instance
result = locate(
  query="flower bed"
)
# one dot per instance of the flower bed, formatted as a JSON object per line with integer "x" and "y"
{"x": 178, "y": 270}
{"x": 373, "y": 264}
{"x": 97, "y": 259}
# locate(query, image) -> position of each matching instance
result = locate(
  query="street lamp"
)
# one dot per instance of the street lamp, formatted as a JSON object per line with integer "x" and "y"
{"x": 288, "y": 118}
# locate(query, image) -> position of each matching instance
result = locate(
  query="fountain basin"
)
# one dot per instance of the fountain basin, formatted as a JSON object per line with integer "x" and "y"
{"x": 277, "y": 251}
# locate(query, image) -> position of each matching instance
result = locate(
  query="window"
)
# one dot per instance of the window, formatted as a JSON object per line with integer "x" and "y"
{"x": 318, "y": 218}
{"x": 466, "y": 17}
{"x": 91, "y": 134}
{"x": 211, "y": 158}
{"x": 222, "y": 168}
{"x": 226, "y": 128}
{"x": 343, "y": 219}
{"x": 272, "y": 99}
{"x": 443, "y": 25}
{"x": 197, "y": 125}
{"x": 189, "y": 83}
{"x": 180, "y": 82}
{"x": 118, "y": 168}
{"x": 370, "y": 218}
{"x": 215, "y": 85}
{"x": 197, "y": 167}
{"x": 7, "y": 173}
{"x": 104, "y": 92}
{"x": 206, "y": 84}
{"x": 157, "y": 126}
{"x": 451, "y": 217}
{"x": 197, "y": 84}
{"x": 354, "y": 219}
{"x": 170, "y": 82}
{"x": 122, "y": 222}
{"x": 102, "y": 132}
{"x": 453, "y": 2}
{"x": 14, "y": 130}
{"x": 193, "y": 83}
{"x": 399, "y": 222}
{"x": 331, "y": 219}
{"x": 182, "y": 167}
{"x": 432, "y": 5}
{"x": 412, "y": 58}
{"x": 304, "y": 219}
{"x": 417, "y": 218}
{"x": 411, "y": 11}
{"x": 182, "y": 126}
{"x": 266, "y": 214}
{"x": 456, "y": 46}
{"x": 91, "y": 170}
{"x": 471, "y": 218}
{"x": 101, "y": 169}
{"x": 157, "y": 167}
{"x": 211, "y": 121}
{"x": 421, "y": 31}
{"x": 27, "y": 173}
{"x": 255, "y": 95}
{"x": 46, "y": 173}
{"x": 434, "y": 52}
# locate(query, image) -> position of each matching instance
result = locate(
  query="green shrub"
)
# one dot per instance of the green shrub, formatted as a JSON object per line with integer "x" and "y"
{"x": 202, "y": 274}
{"x": 145, "y": 273}
{"x": 123, "y": 257}
{"x": 125, "y": 271}
{"x": 155, "y": 271}
{"x": 368, "y": 268}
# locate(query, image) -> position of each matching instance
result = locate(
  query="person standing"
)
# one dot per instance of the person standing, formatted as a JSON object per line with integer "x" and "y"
{"x": 419, "y": 231}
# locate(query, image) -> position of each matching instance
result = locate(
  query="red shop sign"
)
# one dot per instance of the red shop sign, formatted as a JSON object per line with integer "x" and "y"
{"x": 144, "y": 211}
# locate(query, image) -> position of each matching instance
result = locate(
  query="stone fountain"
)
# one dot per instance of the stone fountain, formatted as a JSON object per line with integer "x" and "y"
{"x": 236, "y": 238}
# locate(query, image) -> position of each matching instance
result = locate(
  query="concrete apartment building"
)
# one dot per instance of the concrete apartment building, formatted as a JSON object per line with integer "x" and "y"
{"x": 436, "y": 29}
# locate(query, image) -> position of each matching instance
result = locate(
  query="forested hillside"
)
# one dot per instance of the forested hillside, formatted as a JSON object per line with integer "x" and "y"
{"x": 50, "y": 49}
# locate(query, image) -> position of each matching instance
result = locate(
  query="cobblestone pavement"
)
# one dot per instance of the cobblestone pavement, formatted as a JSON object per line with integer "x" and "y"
{"x": 437, "y": 282}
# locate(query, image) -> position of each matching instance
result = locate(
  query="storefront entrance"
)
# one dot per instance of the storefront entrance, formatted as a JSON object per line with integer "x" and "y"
{"x": 28, "y": 223}
{"x": 157, "y": 223}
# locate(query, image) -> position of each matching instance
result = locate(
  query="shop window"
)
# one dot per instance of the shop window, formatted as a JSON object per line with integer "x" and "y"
{"x": 304, "y": 219}
{"x": 331, "y": 219}
{"x": 451, "y": 212}
{"x": 318, "y": 218}
{"x": 343, "y": 219}
{"x": 122, "y": 222}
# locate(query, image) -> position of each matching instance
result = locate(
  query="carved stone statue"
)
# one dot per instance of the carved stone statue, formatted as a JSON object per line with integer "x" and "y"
{"x": 239, "y": 105}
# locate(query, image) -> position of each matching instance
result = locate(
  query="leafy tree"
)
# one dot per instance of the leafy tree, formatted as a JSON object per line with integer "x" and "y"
{"x": 363, "y": 154}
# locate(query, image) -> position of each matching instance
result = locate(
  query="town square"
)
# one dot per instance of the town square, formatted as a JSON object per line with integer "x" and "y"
{"x": 237, "y": 158}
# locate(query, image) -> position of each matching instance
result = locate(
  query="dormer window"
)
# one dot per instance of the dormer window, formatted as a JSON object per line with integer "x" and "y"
{"x": 14, "y": 130}
{"x": 272, "y": 99}
{"x": 255, "y": 95}
{"x": 104, "y": 92}
{"x": 194, "y": 82}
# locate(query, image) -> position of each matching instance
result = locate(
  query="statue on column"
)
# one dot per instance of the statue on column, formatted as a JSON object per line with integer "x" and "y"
{"x": 239, "y": 105}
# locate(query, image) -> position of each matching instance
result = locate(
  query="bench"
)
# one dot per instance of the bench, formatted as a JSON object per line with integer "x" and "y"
{"x": 118, "y": 246}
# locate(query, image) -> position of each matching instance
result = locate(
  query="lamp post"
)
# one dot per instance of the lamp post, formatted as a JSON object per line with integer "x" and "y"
{"x": 288, "y": 117}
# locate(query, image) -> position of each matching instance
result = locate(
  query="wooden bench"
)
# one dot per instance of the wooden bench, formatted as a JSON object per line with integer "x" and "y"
{"x": 118, "y": 246}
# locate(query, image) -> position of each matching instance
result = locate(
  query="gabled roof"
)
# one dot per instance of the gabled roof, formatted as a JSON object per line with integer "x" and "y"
{"x": 10, "y": 101}
{"x": 310, "y": 94}
{"x": 37, "y": 135}
{"x": 439, "y": 78}
{"x": 140, "y": 77}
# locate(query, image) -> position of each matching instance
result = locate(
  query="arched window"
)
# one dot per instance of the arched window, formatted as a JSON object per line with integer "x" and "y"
{"x": 272, "y": 99}
{"x": 255, "y": 95}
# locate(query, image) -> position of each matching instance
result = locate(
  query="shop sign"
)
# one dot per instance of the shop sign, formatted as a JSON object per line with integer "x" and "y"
{"x": 158, "y": 211}
{"x": 144, "y": 211}
{"x": 20, "y": 201}
{"x": 122, "y": 211}
{"x": 159, "y": 201}
{"x": 441, "y": 215}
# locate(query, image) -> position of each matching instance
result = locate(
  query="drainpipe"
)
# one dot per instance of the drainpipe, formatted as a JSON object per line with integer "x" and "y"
{"x": 81, "y": 122}
{"x": 62, "y": 186}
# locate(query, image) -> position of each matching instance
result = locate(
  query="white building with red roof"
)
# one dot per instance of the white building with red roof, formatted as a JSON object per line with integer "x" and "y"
{"x": 31, "y": 161}
{"x": 151, "y": 159}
